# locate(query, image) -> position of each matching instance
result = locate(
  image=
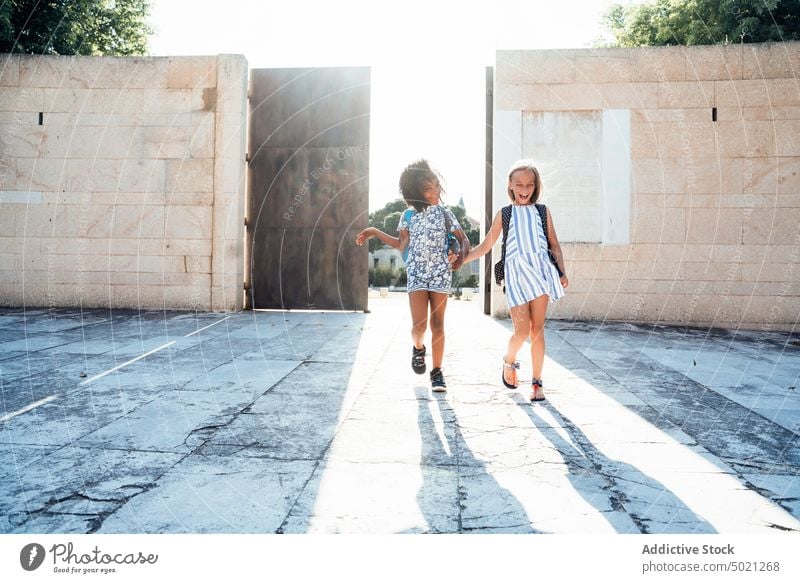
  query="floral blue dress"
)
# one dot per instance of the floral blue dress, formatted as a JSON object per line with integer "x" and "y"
{"x": 427, "y": 266}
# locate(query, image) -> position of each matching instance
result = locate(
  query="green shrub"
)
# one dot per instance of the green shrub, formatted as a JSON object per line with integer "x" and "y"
{"x": 471, "y": 281}
{"x": 385, "y": 277}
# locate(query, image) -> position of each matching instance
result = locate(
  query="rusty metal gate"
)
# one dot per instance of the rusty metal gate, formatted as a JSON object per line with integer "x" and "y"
{"x": 308, "y": 192}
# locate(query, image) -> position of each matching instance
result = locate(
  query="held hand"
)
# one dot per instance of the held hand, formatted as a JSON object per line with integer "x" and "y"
{"x": 452, "y": 259}
{"x": 564, "y": 281}
{"x": 364, "y": 236}
{"x": 456, "y": 260}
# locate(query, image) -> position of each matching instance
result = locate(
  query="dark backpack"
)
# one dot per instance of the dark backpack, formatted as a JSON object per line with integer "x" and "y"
{"x": 500, "y": 266}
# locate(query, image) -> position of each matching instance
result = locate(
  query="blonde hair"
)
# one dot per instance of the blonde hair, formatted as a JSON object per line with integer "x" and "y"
{"x": 528, "y": 166}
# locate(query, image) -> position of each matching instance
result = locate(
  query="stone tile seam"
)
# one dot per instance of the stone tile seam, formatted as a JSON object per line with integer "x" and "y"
{"x": 98, "y": 521}
{"x": 687, "y": 381}
{"x": 326, "y": 449}
{"x": 726, "y": 463}
{"x": 571, "y": 428}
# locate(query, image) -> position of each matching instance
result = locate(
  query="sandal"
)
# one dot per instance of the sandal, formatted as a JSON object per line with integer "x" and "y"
{"x": 536, "y": 386}
{"x": 515, "y": 367}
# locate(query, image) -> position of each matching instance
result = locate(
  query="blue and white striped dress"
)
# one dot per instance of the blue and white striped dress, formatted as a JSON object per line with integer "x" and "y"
{"x": 529, "y": 271}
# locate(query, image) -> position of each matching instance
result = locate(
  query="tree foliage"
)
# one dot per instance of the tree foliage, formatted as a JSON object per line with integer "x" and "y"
{"x": 390, "y": 223}
{"x": 473, "y": 232}
{"x": 378, "y": 219}
{"x": 704, "y": 22}
{"x": 74, "y": 27}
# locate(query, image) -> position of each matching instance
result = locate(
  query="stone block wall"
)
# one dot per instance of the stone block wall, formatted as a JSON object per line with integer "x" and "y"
{"x": 707, "y": 148}
{"x": 122, "y": 181}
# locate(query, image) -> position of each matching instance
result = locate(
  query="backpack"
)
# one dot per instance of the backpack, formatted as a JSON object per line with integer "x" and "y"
{"x": 500, "y": 266}
{"x": 407, "y": 218}
{"x": 451, "y": 244}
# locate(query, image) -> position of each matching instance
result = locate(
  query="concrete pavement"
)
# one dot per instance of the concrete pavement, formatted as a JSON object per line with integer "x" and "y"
{"x": 262, "y": 422}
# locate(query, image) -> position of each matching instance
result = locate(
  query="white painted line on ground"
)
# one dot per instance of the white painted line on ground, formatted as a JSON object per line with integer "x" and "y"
{"x": 30, "y": 407}
{"x": 109, "y": 371}
{"x": 209, "y": 326}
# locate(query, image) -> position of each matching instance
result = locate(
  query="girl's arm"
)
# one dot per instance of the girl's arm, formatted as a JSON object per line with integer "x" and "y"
{"x": 396, "y": 242}
{"x": 555, "y": 247}
{"x": 491, "y": 237}
{"x": 403, "y": 239}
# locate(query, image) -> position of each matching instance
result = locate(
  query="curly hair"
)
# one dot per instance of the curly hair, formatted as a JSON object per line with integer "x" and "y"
{"x": 412, "y": 180}
{"x": 526, "y": 165}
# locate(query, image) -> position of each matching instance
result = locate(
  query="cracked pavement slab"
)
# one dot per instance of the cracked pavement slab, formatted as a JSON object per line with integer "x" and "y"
{"x": 304, "y": 422}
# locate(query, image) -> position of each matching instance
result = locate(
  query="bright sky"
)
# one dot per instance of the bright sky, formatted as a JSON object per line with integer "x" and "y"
{"x": 428, "y": 62}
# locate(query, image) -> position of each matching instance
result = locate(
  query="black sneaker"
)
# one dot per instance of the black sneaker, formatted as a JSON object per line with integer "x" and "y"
{"x": 418, "y": 359}
{"x": 437, "y": 381}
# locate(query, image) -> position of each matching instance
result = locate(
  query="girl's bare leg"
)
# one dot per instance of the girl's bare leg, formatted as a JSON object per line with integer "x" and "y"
{"x": 538, "y": 313}
{"x": 520, "y": 316}
{"x": 438, "y": 304}
{"x": 418, "y": 301}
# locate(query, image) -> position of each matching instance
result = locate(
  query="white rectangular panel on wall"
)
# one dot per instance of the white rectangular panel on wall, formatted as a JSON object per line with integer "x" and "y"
{"x": 567, "y": 148}
{"x": 616, "y": 176}
{"x": 507, "y": 142}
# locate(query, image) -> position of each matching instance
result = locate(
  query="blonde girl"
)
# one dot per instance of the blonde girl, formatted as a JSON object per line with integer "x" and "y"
{"x": 534, "y": 269}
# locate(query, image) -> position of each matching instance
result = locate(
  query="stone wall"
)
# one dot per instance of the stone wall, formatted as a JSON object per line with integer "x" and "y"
{"x": 122, "y": 181}
{"x": 673, "y": 175}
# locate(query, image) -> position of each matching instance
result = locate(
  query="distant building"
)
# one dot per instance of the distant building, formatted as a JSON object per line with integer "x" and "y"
{"x": 387, "y": 258}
